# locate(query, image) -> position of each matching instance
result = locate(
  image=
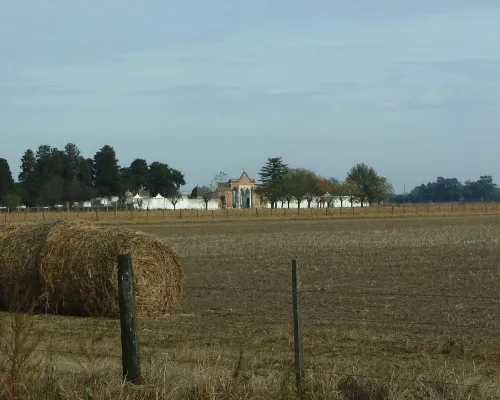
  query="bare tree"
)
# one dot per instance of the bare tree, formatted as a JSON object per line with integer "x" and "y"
{"x": 220, "y": 178}
{"x": 207, "y": 194}
{"x": 174, "y": 198}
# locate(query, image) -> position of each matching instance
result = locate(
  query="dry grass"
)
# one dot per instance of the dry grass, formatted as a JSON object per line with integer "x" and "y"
{"x": 69, "y": 267}
{"x": 392, "y": 309}
{"x": 158, "y": 216}
{"x": 6, "y": 228}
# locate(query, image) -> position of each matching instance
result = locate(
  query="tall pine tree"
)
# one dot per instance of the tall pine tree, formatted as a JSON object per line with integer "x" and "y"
{"x": 6, "y": 180}
{"x": 106, "y": 172}
{"x": 272, "y": 176}
{"x": 28, "y": 179}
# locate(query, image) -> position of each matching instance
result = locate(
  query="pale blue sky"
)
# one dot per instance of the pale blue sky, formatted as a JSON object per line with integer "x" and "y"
{"x": 411, "y": 88}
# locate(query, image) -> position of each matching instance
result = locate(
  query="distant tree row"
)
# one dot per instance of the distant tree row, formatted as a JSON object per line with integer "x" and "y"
{"x": 53, "y": 176}
{"x": 452, "y": 190}
{"x": 281, "y": 184}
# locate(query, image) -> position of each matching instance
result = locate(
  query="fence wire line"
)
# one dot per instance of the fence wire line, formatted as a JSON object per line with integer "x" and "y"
{"x": 280, "y": 369}
{"x": 316, "y": 212}
{"x": 336, "y": 322}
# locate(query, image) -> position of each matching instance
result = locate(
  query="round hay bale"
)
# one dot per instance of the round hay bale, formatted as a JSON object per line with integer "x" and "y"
{"x": 6, "y": 228}
{"x": 20, "y": 285}
{"x": 79, "y": 270}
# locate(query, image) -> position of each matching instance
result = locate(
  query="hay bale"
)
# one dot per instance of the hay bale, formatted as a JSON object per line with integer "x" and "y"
{"x": 78, "y": 270}
{"x": 6, "y": 228}
{"x": 20, "y": 247}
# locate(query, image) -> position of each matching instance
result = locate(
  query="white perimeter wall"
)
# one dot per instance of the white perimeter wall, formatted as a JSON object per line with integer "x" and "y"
{"x": 334, "y": 203}
{"x": 198, "y": 204}
{"x": 182, "y": 204}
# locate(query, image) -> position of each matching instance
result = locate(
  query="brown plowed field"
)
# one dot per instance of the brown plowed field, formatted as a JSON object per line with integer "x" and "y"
{"x": 412, "y": 299}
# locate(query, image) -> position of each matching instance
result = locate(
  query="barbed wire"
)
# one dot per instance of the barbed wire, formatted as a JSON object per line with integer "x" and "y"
{"x": 281, "y": 368}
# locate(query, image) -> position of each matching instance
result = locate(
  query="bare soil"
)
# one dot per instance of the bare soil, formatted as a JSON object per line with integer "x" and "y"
{"x": 410, "y": 299}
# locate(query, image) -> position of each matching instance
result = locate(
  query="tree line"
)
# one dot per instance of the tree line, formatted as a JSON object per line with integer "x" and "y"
{"x": 282, "y": 184}
{"x": 51, "y": 176}
{"x": 452, "y": 190}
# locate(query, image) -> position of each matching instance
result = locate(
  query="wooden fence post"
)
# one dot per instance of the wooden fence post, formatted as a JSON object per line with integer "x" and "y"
{"x": 128, "y": 325}
{"x": 297, "y": 329}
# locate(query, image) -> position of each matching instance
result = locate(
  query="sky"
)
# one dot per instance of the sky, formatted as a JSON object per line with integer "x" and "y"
{"x": 409, "y": 88}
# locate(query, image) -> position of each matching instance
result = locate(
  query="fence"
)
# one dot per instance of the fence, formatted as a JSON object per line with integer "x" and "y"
{"x": 384, "y": 211}
{"x": 365, "y": 333}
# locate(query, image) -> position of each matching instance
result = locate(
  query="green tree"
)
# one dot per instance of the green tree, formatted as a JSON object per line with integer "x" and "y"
{"x": 384, "y": 191}
{"x": 479, "y": 190}
{"x": 299, "y": 183}
{"x": 137, "y": 175}
{"x": 352, "y": 192}
{"x": 207, "y": 194}
{"x": 106, "y": 172}
{"x": 272, "y": 176}
{"x": 71, "y": 159}
{"x": 50, "y": 167}
{"x": 442, "y": 190}
{"x": 85, "y": 172}
{"x": 365, "y": 184}
{"x": 28, "y": 179}
{"x": 11, "y": 200}
{"x": 52, "y": 191}
{"x": 494, "y": 195}
{"x": 341, "y": 191}
{"x": 85, "y": 189}
{"x": 77, "y": 175}
{"x": 6, "y": 180}
{"x": 164, "y": 180}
